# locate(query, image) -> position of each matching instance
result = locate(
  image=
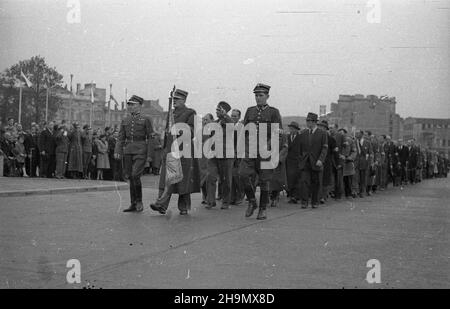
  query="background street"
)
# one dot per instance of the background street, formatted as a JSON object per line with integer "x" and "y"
{"x": 406, "y": 230}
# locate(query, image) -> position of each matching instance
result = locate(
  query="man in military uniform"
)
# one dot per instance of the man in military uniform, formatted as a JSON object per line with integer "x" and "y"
{"x": 133, "y": 144}
{"x": 251, "y": 167}
{"x": 191, "y": 172}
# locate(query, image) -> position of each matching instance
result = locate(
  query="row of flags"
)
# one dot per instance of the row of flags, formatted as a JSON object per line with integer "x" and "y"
{"x": 27, "y": 81}
{"x": 111, "y": 96}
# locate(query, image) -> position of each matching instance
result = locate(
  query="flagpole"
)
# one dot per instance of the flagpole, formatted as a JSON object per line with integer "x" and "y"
{"x": 109, "y": 105}
{"x": 70, "y": 102}
{"x": 20, "y": 103}
{"x": 126, "y": 98}
{"x": 46, "y": 106}
{"x": 92, "y": 104}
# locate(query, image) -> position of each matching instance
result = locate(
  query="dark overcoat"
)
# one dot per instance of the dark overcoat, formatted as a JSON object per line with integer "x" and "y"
{"x": 191, "y": 171}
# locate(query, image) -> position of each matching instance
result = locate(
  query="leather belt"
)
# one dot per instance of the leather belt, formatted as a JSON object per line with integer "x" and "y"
{"x": 135, "y": 140}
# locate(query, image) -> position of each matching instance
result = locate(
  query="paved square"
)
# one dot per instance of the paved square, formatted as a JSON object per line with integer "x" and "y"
{"x": 406, "y": 230}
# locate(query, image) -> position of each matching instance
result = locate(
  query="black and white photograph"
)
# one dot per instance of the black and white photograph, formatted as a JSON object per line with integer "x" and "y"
{"x": 224, "y": 150}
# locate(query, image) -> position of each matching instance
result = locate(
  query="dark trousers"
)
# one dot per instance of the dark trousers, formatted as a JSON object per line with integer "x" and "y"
{"x": 237, "y": 192}
{"x": 184, "y": 200}
{"x": 134, "y": 166}
{"x": 348, "y": 180}
{"x": 249, "y": 170}
{"x": 86, "y": 159}
{"x": 403, "y": 173}
{"x": 363, "y": 175}
{"x": 32, "y": 163}
{"x": 412, "y": 175}
{"x": 61, "y": 158}
{"x": 384, "y": 176}
{"x": 310, "y": 181}
{"x": 45, "y": 167}
{"x": 52, "y": 165}
{"x": 204, "y": 192}
{"x": 220, "y": 170}
{"x": 117, "y": 170}
{"x": 293, "y": 175}
{"x": 338, "y": 182}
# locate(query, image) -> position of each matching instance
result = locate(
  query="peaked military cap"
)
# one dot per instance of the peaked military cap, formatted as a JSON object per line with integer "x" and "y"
{"x": 135, "y": 99}
{"x": 180, "y": 94}
{"x": 261, "y": 88}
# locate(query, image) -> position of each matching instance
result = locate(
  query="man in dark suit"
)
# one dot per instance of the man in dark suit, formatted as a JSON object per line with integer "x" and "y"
{"x": 403, "y": 154}
{"x": 47, "y": 149}
{"x": 62, "y": 148}
{"x": 86, "y": 143}
{"x": 363, "y": 161}
{"x": 412, "y": 161}
{"x": 313, "y": 148}
{"x": 330, "y": 161}
{"x": 31, "y": 147}
{"x": 293, "y": 162}
{"x": 338, "y": 166}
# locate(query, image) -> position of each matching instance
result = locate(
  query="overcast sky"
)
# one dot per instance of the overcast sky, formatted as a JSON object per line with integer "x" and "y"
{"x": 308, "y": 51}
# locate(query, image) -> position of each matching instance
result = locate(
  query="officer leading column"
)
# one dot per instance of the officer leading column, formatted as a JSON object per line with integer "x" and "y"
{"x": 133, "y": 144}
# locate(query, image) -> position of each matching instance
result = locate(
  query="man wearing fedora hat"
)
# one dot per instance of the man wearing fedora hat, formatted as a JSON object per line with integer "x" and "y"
{"x": 293, "y": 162}
{"x": 250, "y": 168}
{"x": 313, "y": 148}
{"x": 330, "y": 161}
{"x": 86, "y": 141}
{"x": 133, "y": 145}
{"x": 338, "y": 178}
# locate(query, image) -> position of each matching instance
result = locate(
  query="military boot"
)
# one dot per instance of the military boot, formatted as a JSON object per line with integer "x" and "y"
{"x": 132, "y": 198}
{"x": 263, "y": 201}
{"x": 138, "y": 190}
{"x": 252, "y": 205}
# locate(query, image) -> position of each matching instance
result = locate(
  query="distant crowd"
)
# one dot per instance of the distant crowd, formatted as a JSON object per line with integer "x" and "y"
{"x": 60, "y": 150}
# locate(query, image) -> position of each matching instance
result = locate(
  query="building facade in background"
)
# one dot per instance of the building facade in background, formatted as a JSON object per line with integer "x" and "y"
{"x": 359, "y": 112}
{"x": 78, "y": 107}
{"x": 433, "y": 133}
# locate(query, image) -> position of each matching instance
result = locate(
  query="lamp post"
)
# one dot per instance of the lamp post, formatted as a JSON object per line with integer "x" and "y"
{"x": 71, "y": 98}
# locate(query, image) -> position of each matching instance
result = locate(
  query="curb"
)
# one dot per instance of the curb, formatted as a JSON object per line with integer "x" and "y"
{"x": 64, "y": 190}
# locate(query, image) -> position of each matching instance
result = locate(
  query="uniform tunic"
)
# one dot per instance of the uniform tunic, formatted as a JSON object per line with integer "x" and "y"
{"x": 132, "y": 144}
{"x": 251, "y": 167}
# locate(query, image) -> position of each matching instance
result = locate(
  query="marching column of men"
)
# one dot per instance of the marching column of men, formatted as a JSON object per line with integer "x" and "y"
{"x": 313, "y": 164}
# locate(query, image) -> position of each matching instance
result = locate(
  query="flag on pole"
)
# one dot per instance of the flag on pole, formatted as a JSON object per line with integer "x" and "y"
{"x": 116, "y": 104}
{"x": 323, "y": 110}
{"x": 29, "y": 84}
{"x": 92, "y": 93}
